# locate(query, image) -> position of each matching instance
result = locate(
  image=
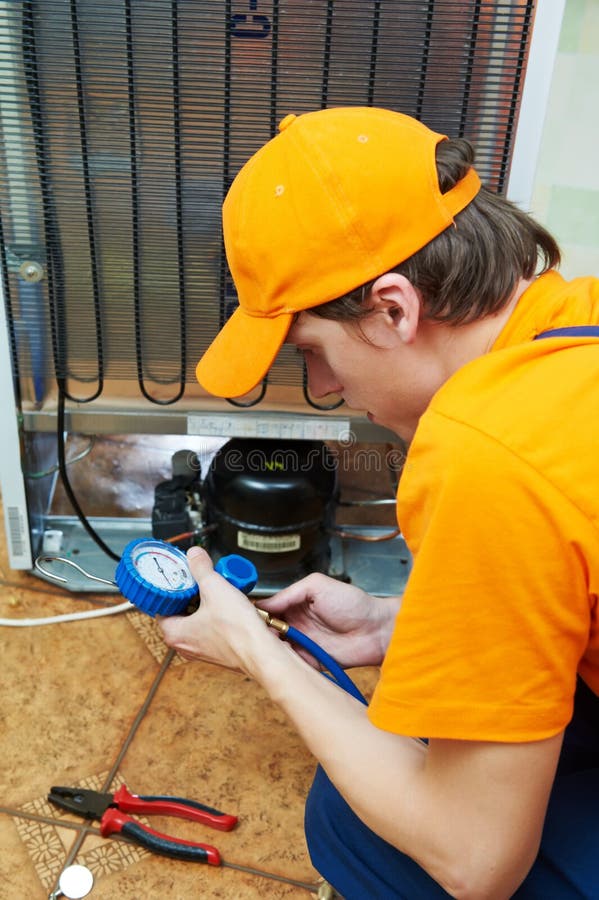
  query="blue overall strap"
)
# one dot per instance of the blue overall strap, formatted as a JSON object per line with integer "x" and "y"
{"x": 573, "y": 331}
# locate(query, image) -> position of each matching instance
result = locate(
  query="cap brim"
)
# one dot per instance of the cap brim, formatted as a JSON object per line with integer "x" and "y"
{"x": 242, "y": 353}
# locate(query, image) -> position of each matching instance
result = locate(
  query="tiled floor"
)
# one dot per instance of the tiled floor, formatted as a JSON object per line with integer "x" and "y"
{"x": 102, "y": 702}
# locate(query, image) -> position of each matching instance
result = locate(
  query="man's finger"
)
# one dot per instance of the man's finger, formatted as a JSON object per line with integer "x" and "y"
{"x": 172, "y": 628}
{"x": 200, "y": 564}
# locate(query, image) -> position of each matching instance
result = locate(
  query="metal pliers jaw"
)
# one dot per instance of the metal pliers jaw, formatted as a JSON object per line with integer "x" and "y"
{"x": 111, "y": 810}
{"x": 83, "y": 802}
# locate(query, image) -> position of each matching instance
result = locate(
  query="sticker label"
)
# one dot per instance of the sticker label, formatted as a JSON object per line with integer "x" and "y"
{"x": 268, "y": 543}
{"x": 273, "y": 425}
{"x": 16, "y": 530}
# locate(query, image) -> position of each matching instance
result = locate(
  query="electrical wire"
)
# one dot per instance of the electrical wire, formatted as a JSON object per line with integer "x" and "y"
{"x": 68, "y": 617}
{"x": 190, "y": 534}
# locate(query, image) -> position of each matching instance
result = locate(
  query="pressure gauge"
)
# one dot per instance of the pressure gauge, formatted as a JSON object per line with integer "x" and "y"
{"x": 155, "y": 577}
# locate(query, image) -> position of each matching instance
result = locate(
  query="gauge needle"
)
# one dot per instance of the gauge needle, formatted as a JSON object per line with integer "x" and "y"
{"x": 161, "y": 570}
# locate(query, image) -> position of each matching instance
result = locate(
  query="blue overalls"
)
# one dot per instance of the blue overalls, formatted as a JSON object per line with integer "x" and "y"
{"x": 362, "y": 866}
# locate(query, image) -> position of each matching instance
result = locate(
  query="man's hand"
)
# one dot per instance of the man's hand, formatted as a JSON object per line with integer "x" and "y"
{"x": 353, "y": 627}
{"x": 225, "y": 629}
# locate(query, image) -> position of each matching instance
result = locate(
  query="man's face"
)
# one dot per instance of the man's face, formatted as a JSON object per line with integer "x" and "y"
{"x": 364, "y": 367}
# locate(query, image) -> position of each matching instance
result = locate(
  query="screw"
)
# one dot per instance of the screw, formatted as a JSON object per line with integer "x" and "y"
{"x": 31, "y": 271}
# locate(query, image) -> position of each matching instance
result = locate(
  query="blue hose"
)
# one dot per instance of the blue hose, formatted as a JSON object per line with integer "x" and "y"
{"x": 341, "y": 678}
{"x": 242, "y": 573}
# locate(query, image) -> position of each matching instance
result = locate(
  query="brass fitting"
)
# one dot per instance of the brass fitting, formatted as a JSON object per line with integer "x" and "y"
{"x": 327, "y": 892}
{"x": 277, "y": 624}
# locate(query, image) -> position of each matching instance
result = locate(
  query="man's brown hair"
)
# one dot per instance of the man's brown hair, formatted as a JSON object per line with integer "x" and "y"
{"x": 472, "y": 268}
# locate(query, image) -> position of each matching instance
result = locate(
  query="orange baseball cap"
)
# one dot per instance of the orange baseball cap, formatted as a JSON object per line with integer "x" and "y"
{"x": 335, "y": 199}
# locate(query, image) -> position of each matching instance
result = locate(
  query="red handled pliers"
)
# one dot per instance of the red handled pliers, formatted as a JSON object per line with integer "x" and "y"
{"x": 111, "y": 810}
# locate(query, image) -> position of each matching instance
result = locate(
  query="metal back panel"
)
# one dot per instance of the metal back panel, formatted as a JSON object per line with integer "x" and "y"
{"x": 124, "y": 122}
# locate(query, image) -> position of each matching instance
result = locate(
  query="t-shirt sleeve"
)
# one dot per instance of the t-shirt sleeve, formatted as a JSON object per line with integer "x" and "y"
{"x": 496, "y": 613}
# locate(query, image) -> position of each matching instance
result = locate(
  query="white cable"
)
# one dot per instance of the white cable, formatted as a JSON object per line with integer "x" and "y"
{"x": 68, "y": 617}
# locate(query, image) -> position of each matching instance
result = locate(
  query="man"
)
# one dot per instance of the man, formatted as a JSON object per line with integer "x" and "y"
{"x": 366, "y": 240}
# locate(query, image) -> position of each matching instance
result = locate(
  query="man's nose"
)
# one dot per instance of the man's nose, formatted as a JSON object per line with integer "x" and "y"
{"x": 321, "y": 379}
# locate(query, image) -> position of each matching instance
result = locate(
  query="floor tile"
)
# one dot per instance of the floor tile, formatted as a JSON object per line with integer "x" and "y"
{"x": 31, "y": 857}
{"x": 214, "y": 736}
{"x": 157, "y": 877}
{"x": 69, "y": 693}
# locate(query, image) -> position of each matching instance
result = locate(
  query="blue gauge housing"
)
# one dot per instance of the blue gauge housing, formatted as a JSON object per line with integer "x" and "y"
{"x": 155, "y": 577}
{"x": 147, "y": 596}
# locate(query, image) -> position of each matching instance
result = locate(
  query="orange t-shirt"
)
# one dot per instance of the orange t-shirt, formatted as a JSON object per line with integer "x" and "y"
{"x": 499, "y": 505}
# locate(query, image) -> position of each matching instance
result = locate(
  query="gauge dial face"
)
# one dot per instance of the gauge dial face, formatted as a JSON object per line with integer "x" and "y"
{"x": 161, "y": 566}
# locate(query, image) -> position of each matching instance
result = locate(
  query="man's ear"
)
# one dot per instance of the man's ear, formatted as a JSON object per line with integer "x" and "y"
{"x": 398, "y": 300}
